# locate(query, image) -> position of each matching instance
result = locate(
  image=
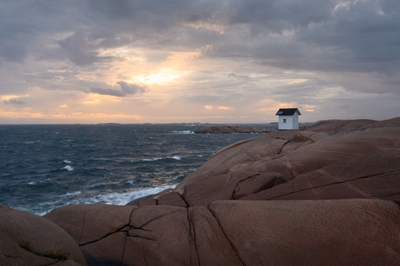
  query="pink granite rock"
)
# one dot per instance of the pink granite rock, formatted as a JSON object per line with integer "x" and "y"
{"x": 27, "y": 239}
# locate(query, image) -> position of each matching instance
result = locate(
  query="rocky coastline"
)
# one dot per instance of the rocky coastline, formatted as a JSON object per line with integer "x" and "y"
{"x": 328, "y": 194}
{"x": 230, "y": 130}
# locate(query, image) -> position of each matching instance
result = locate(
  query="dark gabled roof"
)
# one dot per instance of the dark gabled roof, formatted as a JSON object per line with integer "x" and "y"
{"x": 288, "y": 111}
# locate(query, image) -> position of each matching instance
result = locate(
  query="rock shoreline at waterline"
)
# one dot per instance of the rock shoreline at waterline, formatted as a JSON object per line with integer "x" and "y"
{"x": 325, "y": 195}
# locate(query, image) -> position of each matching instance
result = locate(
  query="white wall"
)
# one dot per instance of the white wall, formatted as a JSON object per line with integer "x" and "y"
{"x": 285, "y": 125}
{"x": 292, "y": 121}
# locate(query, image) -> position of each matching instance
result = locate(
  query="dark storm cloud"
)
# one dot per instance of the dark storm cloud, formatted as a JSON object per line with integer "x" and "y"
{"x": 125, "y": 90}
{"x": 359, "y": 36}
{"x": 353, "y": 36}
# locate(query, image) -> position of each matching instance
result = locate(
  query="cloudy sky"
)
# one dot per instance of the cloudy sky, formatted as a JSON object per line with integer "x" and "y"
{"x": 137, "y": 61}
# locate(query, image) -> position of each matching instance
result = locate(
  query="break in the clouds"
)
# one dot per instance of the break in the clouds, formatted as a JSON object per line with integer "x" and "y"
{"x": 211, "y": 61}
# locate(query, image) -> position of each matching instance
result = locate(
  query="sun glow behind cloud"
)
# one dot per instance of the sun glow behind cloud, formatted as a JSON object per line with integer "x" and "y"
{"x": 163, "y": 76}
{"x": 207, "y": 61}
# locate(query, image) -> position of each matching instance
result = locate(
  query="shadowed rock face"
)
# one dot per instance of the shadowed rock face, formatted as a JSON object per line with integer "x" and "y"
{"x": 27, "y": 239}
{"x": 322, "y": 196}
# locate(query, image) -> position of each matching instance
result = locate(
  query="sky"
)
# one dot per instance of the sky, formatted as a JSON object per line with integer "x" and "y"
{"x": 215, "y": 61}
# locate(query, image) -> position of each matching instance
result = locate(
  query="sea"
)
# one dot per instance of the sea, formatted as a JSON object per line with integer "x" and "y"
{"x": 43, "y": 167}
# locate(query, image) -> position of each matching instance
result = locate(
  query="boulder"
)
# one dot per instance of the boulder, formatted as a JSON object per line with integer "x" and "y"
{"x": 27, "y": 239}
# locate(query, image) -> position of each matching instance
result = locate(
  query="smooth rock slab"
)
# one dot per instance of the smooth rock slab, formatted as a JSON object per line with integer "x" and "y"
{"x": 329, "y": 232}
{"x": 27, "y": 239}
{"x": 320, "y": 232}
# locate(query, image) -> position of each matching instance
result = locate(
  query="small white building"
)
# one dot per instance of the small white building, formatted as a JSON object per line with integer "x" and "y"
{"x": 288, "y": 118}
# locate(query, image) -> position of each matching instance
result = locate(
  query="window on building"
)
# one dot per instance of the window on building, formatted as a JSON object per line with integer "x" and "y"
{"x": 284, "y": 120}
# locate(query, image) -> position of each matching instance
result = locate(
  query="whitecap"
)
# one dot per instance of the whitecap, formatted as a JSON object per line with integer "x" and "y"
{"x": 151, "y": 159}
{"x": 175, "y": 157}
{"x": 74, "y": 193}
{"x": 68, "y": 168}
{"x": 31, "y": 183}
{"x": 67, "y": 161}
{"x": 183, "y": 132}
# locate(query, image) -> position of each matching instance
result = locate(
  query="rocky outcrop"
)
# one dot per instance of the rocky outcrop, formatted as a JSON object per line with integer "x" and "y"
{"x": 326, "y": 195}
{"x": 254, "y": 203}
{"x": 359, "y": 159}
{"x": 230, "y": 130}
{"x": 27, "y": 239}
{"x": 330, "y": 232}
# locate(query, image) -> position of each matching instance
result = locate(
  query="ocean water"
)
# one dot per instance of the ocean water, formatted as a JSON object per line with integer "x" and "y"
{"x": 43, "y": 167}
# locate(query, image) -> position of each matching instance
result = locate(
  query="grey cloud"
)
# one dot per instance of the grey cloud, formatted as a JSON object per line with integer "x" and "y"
{"x": 80, "y": 50}
{"x": 279, "y": 15}
{"x": 110, "y": 92}
{"x": 23, "y": 23}
{"x": 126, "y": 89}
{"x": 14, "y": 101}
{"x": 355, "y": 46}
{"x": 312, "y": 35}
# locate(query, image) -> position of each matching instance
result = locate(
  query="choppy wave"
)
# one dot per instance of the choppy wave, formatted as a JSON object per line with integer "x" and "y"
{"x": 175, "y": 157}
{"x": 68, "y": 168}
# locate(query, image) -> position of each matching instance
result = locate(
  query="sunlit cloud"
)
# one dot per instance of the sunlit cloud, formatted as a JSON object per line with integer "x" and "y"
{"x": 208, "y": 107}
{"x": 94, "y": 101}
{"x": 163, "y": 76}
{"x": 224, "y": 108}
{"x": 308, "y": 108}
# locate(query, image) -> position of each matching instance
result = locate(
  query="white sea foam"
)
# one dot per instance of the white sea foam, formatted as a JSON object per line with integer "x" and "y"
{"x": 183, "y": 132}
{"x": 68, "y": 168}
{"x": 67, "y": 161}
{"x": 151, "y": 159}
{"x": 175, "y": 157}
{"x": 124, "y": 198}
{"x": 74, "y": 193}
